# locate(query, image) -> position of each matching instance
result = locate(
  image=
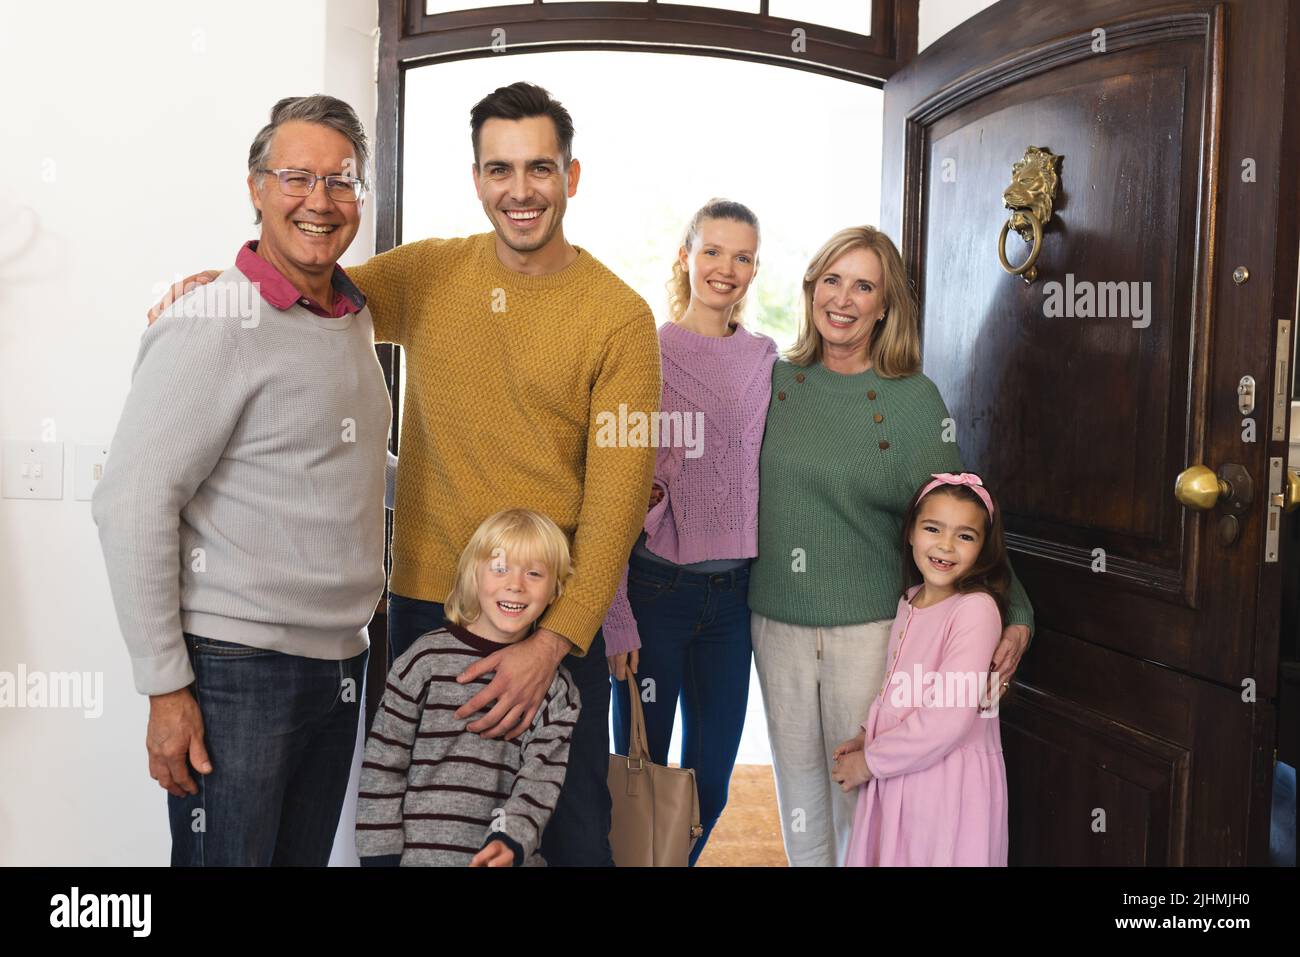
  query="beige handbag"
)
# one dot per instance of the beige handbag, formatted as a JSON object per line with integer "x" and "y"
{"x": 656, "y": 814}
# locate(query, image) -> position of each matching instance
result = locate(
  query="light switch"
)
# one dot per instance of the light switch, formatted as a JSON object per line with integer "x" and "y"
{"x": 32, "y": 469}
{"x": 89, "y": 469}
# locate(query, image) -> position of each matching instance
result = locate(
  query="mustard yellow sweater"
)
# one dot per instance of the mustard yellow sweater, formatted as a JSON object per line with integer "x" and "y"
{"x": 506, "y": 375}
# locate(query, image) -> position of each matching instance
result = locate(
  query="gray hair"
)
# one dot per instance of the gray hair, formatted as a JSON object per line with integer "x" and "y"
{"x": 317, "y": 108}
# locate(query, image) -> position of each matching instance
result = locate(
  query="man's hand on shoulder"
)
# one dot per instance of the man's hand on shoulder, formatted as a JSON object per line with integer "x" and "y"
{"x": 524, "y": 672}
{"x": 180, "y": 289}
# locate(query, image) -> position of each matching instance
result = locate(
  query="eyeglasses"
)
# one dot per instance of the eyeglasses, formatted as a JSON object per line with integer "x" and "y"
{"x": 299, "y": 182}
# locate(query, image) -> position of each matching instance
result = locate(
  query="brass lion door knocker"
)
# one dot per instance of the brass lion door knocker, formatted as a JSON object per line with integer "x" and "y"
{"x": 1034, "y": 182}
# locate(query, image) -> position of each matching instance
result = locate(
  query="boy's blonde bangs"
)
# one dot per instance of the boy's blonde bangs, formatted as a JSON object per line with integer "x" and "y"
{"x": 519, "y": 534}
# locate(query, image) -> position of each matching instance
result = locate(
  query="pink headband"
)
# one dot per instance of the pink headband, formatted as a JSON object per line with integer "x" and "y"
{"x": 969, "y": 479}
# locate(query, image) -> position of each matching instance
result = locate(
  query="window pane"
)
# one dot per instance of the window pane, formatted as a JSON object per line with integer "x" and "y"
{"x": 451, "y": 6}
{"x": 851, "y": 15}
{"x": 745, "y": 6}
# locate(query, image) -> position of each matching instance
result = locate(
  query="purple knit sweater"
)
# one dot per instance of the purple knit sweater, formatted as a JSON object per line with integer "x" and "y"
{"x": 710, "y": 504}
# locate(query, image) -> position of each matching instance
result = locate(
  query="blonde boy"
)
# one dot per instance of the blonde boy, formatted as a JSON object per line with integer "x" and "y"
{"x": 433, "y": 793}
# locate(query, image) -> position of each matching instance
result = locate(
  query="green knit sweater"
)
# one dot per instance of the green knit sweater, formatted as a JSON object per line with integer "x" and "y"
{"x": 842, "y": 456}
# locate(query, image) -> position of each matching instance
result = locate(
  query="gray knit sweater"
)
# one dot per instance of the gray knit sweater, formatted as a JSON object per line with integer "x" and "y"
{"x": 243, "y": 496}
{"x": 437, "y": 794}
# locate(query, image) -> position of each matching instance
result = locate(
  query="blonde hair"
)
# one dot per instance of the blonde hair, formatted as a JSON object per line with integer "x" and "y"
{"x": 679, "y": 284}
{"x": 519, "y": 532}
{"x": 895, "y": 344}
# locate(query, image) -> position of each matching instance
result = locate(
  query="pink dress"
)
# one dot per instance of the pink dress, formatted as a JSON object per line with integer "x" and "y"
{"x": 938, "y": 792}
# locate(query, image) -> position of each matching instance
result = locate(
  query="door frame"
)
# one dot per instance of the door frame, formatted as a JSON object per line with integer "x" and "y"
{"x": 411, "y": 39}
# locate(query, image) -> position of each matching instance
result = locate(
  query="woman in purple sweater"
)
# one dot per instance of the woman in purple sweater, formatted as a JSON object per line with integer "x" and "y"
{"x": 680, "y": 619}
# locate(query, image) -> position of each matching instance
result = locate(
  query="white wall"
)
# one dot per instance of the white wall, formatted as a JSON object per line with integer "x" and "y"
{"x": 122, "y": 162}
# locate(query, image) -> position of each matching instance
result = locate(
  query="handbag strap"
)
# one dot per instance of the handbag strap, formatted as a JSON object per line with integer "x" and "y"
{"x": 638, "y": 743}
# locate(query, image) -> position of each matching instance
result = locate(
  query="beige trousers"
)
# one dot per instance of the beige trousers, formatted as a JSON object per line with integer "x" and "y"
{"x": 817, "y": 688}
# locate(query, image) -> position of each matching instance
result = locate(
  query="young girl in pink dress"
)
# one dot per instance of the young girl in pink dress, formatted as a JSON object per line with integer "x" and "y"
{"x": 928, "y": 763}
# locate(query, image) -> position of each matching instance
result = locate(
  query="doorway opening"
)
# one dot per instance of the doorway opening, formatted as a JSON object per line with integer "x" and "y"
{"x": 673, "y": 104}
{"x": 658, "y": 136}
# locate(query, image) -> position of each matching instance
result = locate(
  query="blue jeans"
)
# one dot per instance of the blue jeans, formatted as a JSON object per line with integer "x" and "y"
{"x": 695, "y": 645}
{"x": 280, "y": 730}
{"x": 577, "y": 834}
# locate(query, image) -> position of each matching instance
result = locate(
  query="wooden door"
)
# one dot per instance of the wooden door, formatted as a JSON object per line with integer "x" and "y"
{"x": 1132, "y": 735}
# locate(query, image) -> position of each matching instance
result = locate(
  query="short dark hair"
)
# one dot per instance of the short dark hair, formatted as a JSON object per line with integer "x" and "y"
{"x": 990, "y": 572}
{"x": 520, "y": 101}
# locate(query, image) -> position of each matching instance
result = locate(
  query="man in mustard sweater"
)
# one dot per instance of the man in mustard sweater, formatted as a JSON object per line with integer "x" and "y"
{"x": 516, "y": 341}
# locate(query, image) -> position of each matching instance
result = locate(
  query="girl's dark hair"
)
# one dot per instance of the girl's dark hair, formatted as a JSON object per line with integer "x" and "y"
{"x": 990, "y": 573}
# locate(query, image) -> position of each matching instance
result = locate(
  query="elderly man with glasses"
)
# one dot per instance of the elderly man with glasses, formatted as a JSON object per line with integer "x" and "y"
{"x": 241, "y": 513}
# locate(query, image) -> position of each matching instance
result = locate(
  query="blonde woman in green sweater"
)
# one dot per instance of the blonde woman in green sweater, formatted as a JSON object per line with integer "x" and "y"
{"x": 853, "y": 428}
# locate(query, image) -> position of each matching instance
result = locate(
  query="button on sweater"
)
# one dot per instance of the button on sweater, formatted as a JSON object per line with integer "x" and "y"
{"x": 842, "y": 456}
{"x": 710, "y": 504}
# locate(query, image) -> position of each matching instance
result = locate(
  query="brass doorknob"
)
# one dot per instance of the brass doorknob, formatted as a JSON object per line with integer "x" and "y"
{"x": 1291, "y": 495}
{"x": 1199, "y": 488}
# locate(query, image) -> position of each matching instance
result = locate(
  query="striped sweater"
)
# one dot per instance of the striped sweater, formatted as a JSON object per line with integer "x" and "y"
{"x": 436, "y": 794}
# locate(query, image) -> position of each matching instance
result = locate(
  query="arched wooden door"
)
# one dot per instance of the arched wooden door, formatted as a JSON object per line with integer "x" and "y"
{"x": 1143, "y": 724}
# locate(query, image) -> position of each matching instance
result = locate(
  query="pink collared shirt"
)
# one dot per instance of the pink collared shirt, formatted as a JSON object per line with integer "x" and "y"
{"x": 280, "y": 293}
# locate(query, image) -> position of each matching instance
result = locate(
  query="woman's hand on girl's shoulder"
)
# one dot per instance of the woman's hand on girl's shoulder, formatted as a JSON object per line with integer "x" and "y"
{"x": 1006, "y": 659}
